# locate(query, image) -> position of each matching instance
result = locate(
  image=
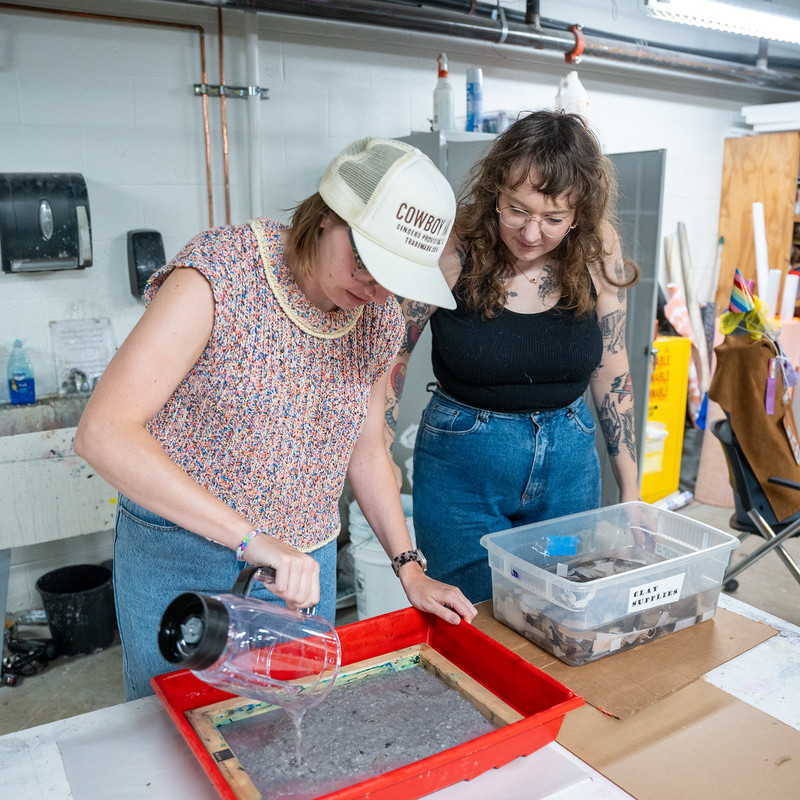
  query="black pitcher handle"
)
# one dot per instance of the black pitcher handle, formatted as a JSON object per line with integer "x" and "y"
{"x": 244, "y": 582}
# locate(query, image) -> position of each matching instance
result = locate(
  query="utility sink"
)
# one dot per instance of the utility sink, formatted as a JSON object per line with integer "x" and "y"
{"x": 48, "y": 414}
{"x": 46, "y": 491}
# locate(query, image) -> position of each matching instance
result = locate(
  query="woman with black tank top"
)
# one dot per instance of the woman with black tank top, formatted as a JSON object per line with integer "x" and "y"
{"x": 536, "y": 268}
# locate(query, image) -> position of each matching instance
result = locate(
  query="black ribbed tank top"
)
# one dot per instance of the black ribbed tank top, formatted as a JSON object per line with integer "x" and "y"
{"x": 515, "y": 362}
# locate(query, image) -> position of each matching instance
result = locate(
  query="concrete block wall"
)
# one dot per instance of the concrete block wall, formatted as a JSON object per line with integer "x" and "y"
{"x": 115, "y": 102}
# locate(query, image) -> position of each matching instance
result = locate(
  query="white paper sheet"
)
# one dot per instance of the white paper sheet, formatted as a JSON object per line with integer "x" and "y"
{"x": 789, "y": 297}
{"x": 82, "y": 348}
{"x": 762, "y": 257}
{"x": 773, "y": 288}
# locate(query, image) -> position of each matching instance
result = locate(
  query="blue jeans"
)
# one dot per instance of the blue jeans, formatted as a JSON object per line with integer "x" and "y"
{"x": 478, "y": 471}
{"x": 154, "y": 562}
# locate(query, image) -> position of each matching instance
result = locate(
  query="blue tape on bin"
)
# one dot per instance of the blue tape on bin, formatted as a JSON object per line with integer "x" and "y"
{"x": 562, "y": 545}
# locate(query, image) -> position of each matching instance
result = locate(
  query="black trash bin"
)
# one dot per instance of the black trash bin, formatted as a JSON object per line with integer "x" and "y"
{"x": 79, "y": 605}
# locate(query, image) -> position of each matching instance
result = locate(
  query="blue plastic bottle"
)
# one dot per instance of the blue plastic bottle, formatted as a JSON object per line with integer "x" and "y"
{"x": 21, "y": 388}
{"x": 475, "y": 99}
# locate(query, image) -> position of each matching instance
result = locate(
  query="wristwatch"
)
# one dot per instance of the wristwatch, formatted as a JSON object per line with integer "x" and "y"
{"x": 409, "y": 555}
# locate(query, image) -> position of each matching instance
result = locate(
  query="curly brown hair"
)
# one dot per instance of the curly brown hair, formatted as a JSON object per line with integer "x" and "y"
{"x": 561, "y": 158}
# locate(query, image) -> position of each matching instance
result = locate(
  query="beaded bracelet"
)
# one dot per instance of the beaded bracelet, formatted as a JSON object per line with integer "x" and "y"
{"x": 245, "y": 542}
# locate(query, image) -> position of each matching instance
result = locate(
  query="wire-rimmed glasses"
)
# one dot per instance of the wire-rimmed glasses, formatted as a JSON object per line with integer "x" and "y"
{"x": 552, "y": 226}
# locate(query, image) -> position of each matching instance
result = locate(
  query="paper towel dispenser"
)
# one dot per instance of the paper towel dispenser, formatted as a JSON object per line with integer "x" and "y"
{"x": 44, "y": 222}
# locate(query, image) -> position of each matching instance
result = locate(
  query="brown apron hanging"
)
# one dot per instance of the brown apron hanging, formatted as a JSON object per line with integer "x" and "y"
{"x": 739, "y": 386}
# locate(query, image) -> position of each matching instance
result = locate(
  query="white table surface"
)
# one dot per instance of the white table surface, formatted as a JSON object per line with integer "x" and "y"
{"x": 133, "y": 750}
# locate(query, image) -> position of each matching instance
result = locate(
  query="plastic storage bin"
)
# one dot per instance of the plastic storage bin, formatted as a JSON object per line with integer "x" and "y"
{"x": 588, "y": 585}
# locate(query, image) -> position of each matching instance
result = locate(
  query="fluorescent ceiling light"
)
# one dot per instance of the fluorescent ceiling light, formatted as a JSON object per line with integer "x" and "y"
{"x": 763, "y": 20}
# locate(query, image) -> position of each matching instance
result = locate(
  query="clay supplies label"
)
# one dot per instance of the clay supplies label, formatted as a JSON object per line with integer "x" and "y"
{"x": 657, "y": 593}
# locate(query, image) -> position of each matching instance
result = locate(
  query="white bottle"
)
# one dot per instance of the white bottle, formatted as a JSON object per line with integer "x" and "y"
{"x": 572, "y": 97}
{"x": 475, "y": 99}
{"x": 444, "y": 118}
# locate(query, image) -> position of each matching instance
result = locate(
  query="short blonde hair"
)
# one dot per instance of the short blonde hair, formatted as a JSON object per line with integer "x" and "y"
{"x": 302, "y": 242}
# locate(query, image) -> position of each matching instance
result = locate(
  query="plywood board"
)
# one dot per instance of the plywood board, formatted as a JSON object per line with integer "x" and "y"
{"x": 756, "y": 169}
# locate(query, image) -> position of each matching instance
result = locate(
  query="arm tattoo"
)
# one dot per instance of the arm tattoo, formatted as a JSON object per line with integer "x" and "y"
{"x": 391, "y": 417}
{"x": 416, "y": 318}
{"x": 612, "y": 428}
{"x": 628, "y": 435}
{"x": 622, "y": 386}
{"x": 617, "y": 429}
{"x": 397, "y": 378}
{"x": 416, "y": 315}
{"x": 612, "y": 329}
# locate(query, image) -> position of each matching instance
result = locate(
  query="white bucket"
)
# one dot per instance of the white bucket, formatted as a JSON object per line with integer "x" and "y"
{"x": 378, "y": 590}
{"x": 655, "y": 438}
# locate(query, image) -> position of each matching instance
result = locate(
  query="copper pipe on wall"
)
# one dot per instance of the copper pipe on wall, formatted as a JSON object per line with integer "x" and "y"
{"x": 207, "y": 134}
{"x": 154, "y": 23}
{"x": 224, "y": 118}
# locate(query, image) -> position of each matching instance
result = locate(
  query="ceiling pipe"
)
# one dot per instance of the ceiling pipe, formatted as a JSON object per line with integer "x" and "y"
{"x": 505, "y": 30}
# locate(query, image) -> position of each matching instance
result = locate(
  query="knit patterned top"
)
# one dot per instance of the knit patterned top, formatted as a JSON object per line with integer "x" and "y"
{"x": 267, "y": 418}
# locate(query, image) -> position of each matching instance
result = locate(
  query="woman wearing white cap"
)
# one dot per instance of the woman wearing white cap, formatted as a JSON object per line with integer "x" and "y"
{"x": 253, "y": 384}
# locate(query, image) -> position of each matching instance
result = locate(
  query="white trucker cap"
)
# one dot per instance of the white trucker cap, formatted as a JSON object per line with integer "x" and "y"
{"x": 400, "y": 209}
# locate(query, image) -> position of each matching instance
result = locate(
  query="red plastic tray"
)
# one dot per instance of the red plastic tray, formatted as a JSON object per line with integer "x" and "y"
{"x": 541, "y": 700}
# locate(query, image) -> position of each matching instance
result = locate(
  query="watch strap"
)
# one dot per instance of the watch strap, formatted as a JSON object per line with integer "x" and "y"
{"x": 405, "y": 557}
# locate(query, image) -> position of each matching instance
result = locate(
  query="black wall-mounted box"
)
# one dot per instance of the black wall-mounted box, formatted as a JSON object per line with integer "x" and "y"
{"x": 145, "y": 256}
{"x": 44, "y": 222}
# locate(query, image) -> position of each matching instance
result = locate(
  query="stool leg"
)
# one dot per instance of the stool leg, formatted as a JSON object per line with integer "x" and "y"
{"x": 773, "y": 541}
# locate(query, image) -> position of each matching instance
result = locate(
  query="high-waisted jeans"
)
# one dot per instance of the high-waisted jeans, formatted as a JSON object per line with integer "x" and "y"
{"x": 478, "y": 471}
{"x": 154, "y": 562}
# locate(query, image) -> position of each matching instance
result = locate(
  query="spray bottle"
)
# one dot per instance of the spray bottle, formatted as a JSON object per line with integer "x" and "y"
{"x": 475, "y": 99}
{"x": 572, "y": 98}
{"x": 443, "y": 102}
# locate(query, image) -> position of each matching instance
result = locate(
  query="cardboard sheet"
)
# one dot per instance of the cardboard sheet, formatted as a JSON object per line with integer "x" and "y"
{"x": 625, "y": 683}
{"x": 699, "y": 743}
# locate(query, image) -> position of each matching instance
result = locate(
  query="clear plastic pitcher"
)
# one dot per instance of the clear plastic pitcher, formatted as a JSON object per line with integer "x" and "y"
{"x": 250, "y": 647}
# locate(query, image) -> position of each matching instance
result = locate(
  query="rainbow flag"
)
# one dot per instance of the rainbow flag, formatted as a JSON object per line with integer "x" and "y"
{"x": 741, "y": 299}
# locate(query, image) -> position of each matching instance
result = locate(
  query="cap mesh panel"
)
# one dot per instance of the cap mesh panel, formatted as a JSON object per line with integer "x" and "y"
{"x": 364, "y": 174}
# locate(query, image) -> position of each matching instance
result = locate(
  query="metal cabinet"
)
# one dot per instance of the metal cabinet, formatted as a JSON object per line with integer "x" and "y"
{"x": 641, "y": 181}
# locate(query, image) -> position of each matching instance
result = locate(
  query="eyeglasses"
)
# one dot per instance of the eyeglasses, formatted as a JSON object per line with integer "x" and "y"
{"x": 362, "y": 273}
{"x": 553, "y": 227}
